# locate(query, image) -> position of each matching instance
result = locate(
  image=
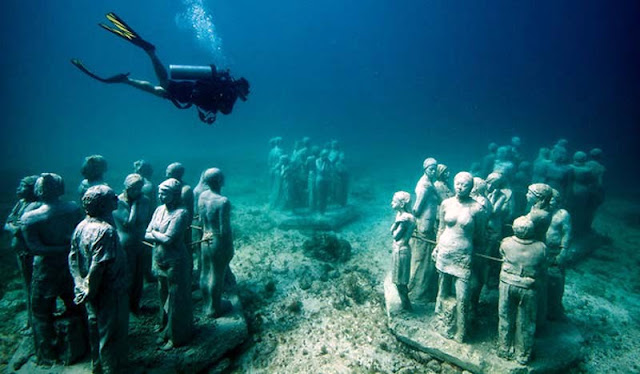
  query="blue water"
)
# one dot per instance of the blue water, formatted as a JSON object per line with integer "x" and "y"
{"x": 394, "y": 81}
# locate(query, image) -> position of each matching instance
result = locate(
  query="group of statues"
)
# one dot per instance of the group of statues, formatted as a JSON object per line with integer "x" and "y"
{"x": 451, "y": 243}
{"x": 96, "y": 261}
{"x": 309, "y": 178}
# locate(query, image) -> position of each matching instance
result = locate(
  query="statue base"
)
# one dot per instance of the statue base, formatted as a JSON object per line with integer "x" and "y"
{"x": 305, "y": 219}
{"x": 557, "y": 346}
{"x": 211, "y": 340}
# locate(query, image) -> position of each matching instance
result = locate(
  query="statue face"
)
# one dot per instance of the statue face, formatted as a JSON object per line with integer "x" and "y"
{"x": 165, "y": 197}
{"x": 395, "y": 204}
{"x": 135, "y": 191}
{"x": 463, "y": 186}
{"x": 430, "y": 171}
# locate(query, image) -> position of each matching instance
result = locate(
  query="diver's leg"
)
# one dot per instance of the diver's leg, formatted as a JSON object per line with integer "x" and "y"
{"x": 158, "y": 67}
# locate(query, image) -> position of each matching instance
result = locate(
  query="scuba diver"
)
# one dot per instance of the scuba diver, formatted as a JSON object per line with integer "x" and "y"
{"x": 205, "y": 87}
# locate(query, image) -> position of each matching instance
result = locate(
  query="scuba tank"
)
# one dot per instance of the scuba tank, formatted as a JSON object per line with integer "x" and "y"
{"x": 191, "y": 72}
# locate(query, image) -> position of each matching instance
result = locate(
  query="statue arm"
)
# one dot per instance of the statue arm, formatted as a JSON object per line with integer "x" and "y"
{"x": 225, "y": 218}
{"x": 399, "y": 230}
{"x": 174, "y": 232}
{"x": 418, "y": 206}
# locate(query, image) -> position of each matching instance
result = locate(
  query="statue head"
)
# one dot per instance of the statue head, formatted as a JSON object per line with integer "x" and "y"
{"x": 559, "y": 155}
{"x": 539, "y": 194}
{"x": 133, "y": 184}
{"x": 93, "y": 167}
{"x": 495, "y": 181}
{"x": 493, "y": 147}
{"x": 430, "y": 165}
{"x": 503, "y": 153}
{"x": 579, "y": 158}
{"x": 595, "y": 154}
{"x": 544, "y": 153}
{"x": 175, "y": 170}
{"x": 49, "y": 187}
{"x": 556, "y": 199}
{"x": 516, "y": 142}
{"x": 562, "y": 142}
{"x": 463, "y": 184}
{"x": 479, "y": 187}
{"x": 169, "y": 192}
{"x": 215, "y": 179}
{"x": 275, "y": 141}
{"x": 401, "y": 200}
{"x": 26, "y": 188}
{"x": 99, "y": 201}
{"x": 442, "y": 172}
{"x": 523, "y": 228}
{"x": 143, "y": 168}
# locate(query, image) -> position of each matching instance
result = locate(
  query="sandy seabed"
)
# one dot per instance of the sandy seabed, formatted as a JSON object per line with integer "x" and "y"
{"x": 309, "y": 316}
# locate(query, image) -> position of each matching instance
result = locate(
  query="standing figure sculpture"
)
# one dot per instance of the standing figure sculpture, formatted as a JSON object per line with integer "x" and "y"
{"x": 149, "y": 190}
{"x": 423, "y": 284}
{"x": 99, "y": 269}
{"x": 324, "y": 171}
{"x": 130, "y": 218}
{"x": 524, "y": 263}
{"x": 27, "y": 201}
{"x": 558, "y": 241}
{"x": 461, "y": 234}
{"x": 92, "y": 170}
{"x": 176, "y": 170}
{"x": 47, "y": 233}
{"x": 584, "y": 186}
{"x": 170, "y": 257}
{"x": 401, "y": 231}
{"x": 442, "y": 182}
{"x": 217, "y": 247}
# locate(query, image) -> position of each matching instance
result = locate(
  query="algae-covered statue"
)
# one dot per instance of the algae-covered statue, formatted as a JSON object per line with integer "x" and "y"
{"x": 558, "y": 241}
{"x": 130, "y": 218}
{"x": 523, "y": 266}
{"x": 401, "y": 231}
{"x": 217, "y": 247}
{"x": 92, "y": 170}
{"x": 423, "y": 284}
{"x": 47, "y": 233}
{"x": 461, "y": 234}
{"x": 27, "y": 201}
{"x": 166, "y": 231}
{"x": 538, "y": 198}
{"x": 584, "y": 186}
{"x": 99, "y": 267}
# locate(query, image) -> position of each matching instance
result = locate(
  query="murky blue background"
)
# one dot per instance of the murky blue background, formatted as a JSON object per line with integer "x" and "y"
{"x": 395, "y": 81}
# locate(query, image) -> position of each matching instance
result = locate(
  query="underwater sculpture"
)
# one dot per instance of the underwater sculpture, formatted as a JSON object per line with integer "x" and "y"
{"x": 538, "y": 198}
{"x": 99, "y": 269}
{"x": 170, "y": 256}
{"x": 423, "y": 285}
{"x": 504, "y": 163}
{"x": 540, "y": 165}
{"x": 461, "y": 234}
{"x": 217, "y": 243}
{"x": 558, "y": 172}
{"x": 27, "y": 201}
{"x": 558, "y": 240}
{"x": 145, "y": 170}
{"x": 401, "y": 231}
{"x": 47, "y": 233}
{"x": 582, "y": 192}
{"x": 523, "y": 266}
{"x": 130, "y": 218}
{"x": 92, "y": 170}
{"x": 176, "y": 170}
{"x": 324, "y": 171}
{"x": 442, "y": 182}
{"x": 149, "y": 190}
{"x": 486, "y": 165}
